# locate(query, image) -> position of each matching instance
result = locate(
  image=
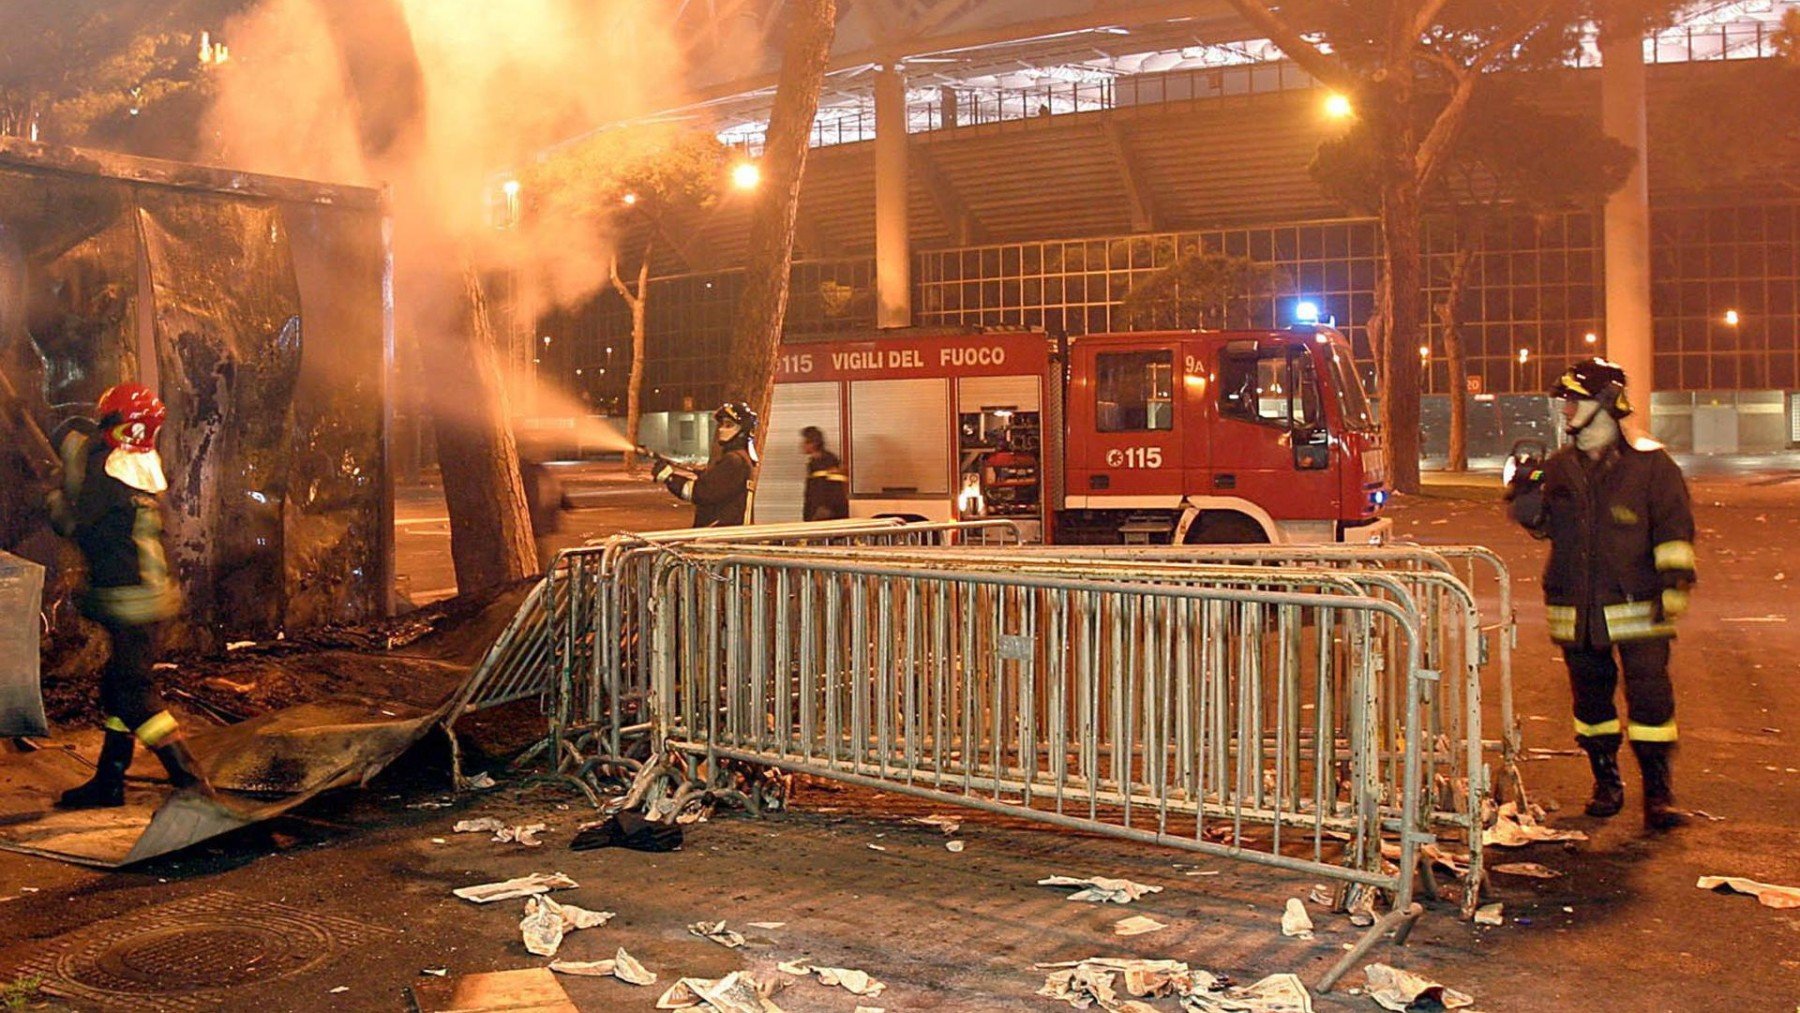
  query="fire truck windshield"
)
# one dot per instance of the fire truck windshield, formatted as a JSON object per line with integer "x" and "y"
{"x": 1353, "y": 403}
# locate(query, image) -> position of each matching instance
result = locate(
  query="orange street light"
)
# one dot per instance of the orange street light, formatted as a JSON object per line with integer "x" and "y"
{"x": 745, "y": 176}
{"x": 1338, "y": 107}
{"x": 1731, "y": 318}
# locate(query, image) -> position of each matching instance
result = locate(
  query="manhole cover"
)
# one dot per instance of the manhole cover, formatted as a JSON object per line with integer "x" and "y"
{"x": 187, "y": 954}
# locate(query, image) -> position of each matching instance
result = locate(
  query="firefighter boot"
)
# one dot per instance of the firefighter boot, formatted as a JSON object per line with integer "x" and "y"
{"x": 1609, "y": 788}
{"x": 106, "y": 789}
{"x": 1659, "y": 796}
{"x": 184, "y": 770}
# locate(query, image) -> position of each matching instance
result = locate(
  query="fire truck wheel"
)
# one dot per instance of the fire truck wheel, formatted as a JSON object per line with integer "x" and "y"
{"x": 1225, "y": 528}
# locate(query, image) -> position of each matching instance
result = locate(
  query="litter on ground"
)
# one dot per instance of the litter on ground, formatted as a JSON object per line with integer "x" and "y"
{"x": 1767, "y": 894}
{"x": 953, "y": 846}
{"x": 1531, "y": 869}
{"x": 1100, "y": 889}
{"x": 1099, "y": 981}
{"x": 1136, "y": 925}
{"x": 1513, "y": 829}
{"x": 523, "y": 886}
{"x": 1401, "y": 990}
{"x": 1490, "y": 914}
{"x": 851, "y": 980}
{"x": 546, "y": 922}
{"x": 622, "y": 966}
{"x": 503, "y": 833}
{"x": 948, "y": 824}
{"x": 718, "y": 933}
{"x": 737, "y": 992}
{"x": 1295, "y": 921}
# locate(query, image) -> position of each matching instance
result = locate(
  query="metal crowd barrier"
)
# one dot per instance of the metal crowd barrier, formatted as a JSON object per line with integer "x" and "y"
{"x": 1239, "y": 722}
{"x": 590, "y": 596}
{"x": 1457, "y": 792}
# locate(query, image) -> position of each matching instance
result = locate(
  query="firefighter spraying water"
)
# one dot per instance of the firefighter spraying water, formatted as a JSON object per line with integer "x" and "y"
{"x": 720, "y": 491}
{"x": 1621, "y": 534}
{"x": 108, "y": 502}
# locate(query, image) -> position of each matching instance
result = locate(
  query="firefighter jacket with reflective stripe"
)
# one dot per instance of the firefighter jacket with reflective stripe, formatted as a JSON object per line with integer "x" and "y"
{"x": 120, "y": 533}
{"x": 827, "y": 488}
{"x": 720, "y": 492}
{"x": 1621, "y": 534}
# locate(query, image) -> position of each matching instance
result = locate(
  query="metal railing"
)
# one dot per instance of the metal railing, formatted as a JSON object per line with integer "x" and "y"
{"x": 1454, "y": 639}
{"x": 592, "y": 595}
{"x": 1249, "y": 724}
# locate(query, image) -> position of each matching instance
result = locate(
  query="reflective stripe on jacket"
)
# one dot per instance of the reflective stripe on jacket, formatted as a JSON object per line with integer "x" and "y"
{"x": 1621, "y": 530}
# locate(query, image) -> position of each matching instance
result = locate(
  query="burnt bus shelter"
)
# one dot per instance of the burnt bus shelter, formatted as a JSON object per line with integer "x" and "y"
{"x": 260, "y": 309}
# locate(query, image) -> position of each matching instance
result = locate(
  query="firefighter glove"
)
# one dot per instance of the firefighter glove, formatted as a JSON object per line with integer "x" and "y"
{"x": 660, "y": 468}
{"x": 1674, "y": 602}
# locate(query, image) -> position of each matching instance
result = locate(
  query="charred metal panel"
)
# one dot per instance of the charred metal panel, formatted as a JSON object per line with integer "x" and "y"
{"x": 227, "y": 325}
{"x": 335, "y": 516}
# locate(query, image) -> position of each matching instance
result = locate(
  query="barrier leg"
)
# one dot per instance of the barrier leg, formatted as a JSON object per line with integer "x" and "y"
{"x": 1399, "y": 922}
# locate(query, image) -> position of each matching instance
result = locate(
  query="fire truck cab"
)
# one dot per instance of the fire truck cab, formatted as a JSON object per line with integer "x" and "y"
{"x": 1146, "y": 437}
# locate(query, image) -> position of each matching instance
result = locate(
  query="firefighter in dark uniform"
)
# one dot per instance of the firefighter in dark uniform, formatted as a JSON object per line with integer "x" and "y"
{"x": 827, "y": 487}
{"x": 1621, "y": 534}
{"x": 107, "y": 502}
{"x": 720, "y": 491}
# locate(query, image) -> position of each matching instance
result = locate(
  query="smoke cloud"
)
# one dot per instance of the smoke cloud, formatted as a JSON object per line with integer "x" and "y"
{"x": 442, "y": 100}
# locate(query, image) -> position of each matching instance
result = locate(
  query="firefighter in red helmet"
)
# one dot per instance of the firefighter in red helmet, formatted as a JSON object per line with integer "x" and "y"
{"x": 1621, "y": 531}
{"x": 108, "y": 504}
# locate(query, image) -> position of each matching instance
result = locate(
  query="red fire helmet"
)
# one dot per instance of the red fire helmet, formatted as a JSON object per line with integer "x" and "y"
{"x": 130, "y": 415}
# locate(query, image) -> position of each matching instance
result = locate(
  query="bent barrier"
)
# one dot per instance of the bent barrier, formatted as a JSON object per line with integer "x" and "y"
{"x": 595, "y": 595}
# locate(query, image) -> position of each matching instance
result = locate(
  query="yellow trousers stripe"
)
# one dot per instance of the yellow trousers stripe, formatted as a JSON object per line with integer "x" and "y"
{"x": 1603, "y": 728}
{"x": 159, "y": 727}
{"x": 1650, "y": 733}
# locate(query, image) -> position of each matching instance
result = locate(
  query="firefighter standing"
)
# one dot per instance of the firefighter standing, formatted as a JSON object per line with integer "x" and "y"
{"x": 107, "y": 503}
{"x": 827, "y": 487}
{"x": 1621, "y": 561}
{"x": 720, "y": 492}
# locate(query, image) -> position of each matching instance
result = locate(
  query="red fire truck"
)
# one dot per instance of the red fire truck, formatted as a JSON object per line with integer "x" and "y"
{"x": 1180, "y": 436}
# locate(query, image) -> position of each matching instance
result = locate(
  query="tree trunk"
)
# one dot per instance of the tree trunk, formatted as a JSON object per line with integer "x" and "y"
{"x": 1400, "y": 400}
{"x": 634, "y": 387}
{"x": 1448, "y": 312}
{"x": 756, "y": 336}
{"x": 1400, "y": 230}
{"x": 490, "y": 528}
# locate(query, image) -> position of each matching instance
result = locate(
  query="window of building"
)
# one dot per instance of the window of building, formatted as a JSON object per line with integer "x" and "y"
{"x": 1134, "y": 391}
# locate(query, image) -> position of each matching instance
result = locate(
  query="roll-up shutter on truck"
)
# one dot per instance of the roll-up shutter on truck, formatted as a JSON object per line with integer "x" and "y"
{"x": 900, "y": 437}
{"x": 781, "y": 489}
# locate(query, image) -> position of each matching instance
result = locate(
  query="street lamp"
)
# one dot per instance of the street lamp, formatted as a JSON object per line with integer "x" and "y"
{"x": 629, "y": 199}
{"x": 1731, "y": 318}
{"x": 1591, "y": 338}
{"x": 1337, "y": 106}
{"x": 745, "y": 176}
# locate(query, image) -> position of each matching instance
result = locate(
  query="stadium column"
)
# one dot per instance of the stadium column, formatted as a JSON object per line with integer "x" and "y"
{"x": 1627, "y": 224}
{"x": 893, "y": 247}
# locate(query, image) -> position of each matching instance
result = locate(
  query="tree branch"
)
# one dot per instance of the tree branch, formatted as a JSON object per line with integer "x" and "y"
{"x": 1308, "y": 56}
{"x": 1448, "y": 124}
{"x": 1427, "y": 14}
{"x": 618, "y": 283}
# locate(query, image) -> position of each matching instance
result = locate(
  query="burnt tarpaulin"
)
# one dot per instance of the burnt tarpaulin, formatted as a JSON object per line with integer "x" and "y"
{"x": 228, "y": 346}
{"x": 255, "y": 306}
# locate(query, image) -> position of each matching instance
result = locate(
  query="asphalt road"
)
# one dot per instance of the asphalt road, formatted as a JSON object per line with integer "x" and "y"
{"x": 1623, "y": 929}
